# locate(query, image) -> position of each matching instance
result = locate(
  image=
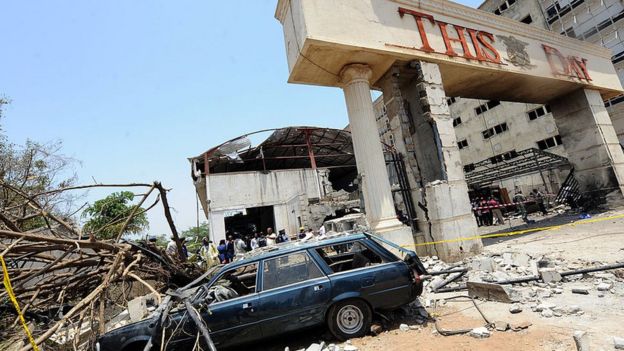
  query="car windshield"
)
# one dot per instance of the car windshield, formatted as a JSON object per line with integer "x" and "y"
{"x": 232, "y": 283}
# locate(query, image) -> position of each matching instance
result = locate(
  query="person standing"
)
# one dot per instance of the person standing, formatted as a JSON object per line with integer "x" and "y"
{"x": 239, "y": 247}
{"x": 209, "y": 253}
{"x": 477, "y": 212}
{"x": 538, "y": 197}
{"x": 230, "y": 249}
{"x": 519, "y": 199}
{"x": 496, "y": 211}
{"x": 282, "y": 237}
{"x": 254, "y": 242}
{"x": 271, "y": 239}
{"x": 222, "y": 249}
{"x": 486, "y": 214}
{"x": 302, "y": 233}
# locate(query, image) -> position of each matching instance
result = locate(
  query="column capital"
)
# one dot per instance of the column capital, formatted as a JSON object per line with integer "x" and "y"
{"x": 356, "y": 72}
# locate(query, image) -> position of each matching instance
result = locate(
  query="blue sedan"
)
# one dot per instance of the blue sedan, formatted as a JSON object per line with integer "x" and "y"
{"x": 338, "y": 281}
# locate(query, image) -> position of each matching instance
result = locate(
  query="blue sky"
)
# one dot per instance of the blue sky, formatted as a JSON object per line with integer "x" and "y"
{"x": 133, "y": 88}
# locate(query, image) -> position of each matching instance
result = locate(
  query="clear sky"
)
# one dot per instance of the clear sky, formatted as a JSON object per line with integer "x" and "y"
{"x": 133, "y": 88}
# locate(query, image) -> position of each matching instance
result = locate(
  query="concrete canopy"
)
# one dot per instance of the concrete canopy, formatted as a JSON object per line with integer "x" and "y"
{"x": 480, "y": 55}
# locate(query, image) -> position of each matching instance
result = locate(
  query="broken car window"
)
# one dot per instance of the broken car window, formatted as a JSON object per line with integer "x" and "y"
{"x": 348, "y": 256}
{"x": 234, "y": 283}
{"x": 290, "y": 269}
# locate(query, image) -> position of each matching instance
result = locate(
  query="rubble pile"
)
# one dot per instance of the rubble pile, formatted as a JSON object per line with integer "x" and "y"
{"x": 528, "y": 281}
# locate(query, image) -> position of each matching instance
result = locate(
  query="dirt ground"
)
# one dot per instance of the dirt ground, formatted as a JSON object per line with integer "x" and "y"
{"x": 535, "y": 337}
{"x": 599, "y": 239}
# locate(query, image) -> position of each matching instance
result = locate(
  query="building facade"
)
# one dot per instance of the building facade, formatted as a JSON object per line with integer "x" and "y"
{"x": 491, "y": 131}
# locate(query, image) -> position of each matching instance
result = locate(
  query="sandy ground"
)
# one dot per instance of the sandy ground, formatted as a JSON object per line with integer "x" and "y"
{"x": 595, "y": 240}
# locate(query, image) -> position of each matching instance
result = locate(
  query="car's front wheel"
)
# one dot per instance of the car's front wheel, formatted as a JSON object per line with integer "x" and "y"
{"x": 349, "y": 319}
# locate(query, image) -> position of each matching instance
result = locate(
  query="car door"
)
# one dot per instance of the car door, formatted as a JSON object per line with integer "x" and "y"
{"x": 235, "y": 320}
{"x": 294, "y": 295}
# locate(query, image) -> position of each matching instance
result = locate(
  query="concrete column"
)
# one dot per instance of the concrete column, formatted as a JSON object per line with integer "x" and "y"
{"x": 371, "y": 165}
{"x": 592, "y": 145}
{"x": 418, "y": 97}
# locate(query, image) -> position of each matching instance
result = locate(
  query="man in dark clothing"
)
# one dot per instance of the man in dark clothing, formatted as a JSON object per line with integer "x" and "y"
{"x": 230, "y": 248}
{"x": 538, "y": 197}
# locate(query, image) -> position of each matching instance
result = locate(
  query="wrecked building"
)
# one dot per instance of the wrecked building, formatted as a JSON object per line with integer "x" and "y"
{"x": 296, "y": 177}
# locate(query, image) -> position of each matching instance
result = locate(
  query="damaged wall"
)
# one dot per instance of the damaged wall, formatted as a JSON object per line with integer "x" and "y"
{"x": 414, "y": 93}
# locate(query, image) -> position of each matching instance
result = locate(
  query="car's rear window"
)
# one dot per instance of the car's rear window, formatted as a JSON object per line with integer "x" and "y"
{"x": 289, "y": 269}
{"x": 348, "y": 256}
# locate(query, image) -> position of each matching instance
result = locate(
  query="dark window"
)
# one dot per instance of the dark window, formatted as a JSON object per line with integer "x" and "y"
{"x": 590, "y": 32}
{"x": 497, "y": 12}
{"x": 618, "y": 17}
{"x": 547, "y": 107}
{"x": 604, "y": 24}
{"x": 469, "y": 167}
{"x": 532, "y": 115}
{"x": 576, "y": 3}
{"x": 462, "y": 144}
{"x": 450, "y": 101}
{"x": 511, "y": 154}
{"x": 542, "y": 145}
{"x": 457, "y": 121}
{"x": 496, "y": 159}
{"x": 558, "y": 139}
{"x": 487, "y": 133}
{"x": 527, "y": 20}
{"x": 503, "y": 7}
{"x": 348, "y": 256}
{"x": 492, "y": 104}
{"x": 286, "y": 270}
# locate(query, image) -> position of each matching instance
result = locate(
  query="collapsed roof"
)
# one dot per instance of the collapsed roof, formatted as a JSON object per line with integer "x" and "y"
{"x": 284, "y": 148}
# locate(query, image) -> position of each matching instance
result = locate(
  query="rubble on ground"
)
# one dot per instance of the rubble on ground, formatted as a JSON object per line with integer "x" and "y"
{"x": 530, "y": 282}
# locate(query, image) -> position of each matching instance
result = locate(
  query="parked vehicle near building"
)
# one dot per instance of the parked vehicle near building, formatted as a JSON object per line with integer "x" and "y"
{"x": 339, "y": 281}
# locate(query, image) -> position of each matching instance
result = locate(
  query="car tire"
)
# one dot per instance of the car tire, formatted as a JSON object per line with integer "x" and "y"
{"x": 349, "y": 319}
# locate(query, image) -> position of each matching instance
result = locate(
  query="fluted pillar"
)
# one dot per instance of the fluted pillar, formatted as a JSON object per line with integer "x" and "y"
{"x": 369, "y": 157}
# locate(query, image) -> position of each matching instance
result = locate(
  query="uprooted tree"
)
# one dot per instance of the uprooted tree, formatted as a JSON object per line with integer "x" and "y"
{"x": 67, "y": 283}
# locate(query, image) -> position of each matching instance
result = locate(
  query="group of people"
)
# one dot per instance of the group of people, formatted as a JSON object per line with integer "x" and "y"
{"x": 237, "y": 245}
{"x": 488, "y": 210}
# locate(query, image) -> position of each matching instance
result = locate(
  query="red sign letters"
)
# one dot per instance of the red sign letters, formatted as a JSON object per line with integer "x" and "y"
{"x": 571, "y": 66}
{"x": 480, "y": 42}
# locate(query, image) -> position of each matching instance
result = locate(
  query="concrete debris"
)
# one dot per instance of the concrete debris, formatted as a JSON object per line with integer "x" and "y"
{"x": 547, "y": 313}
{"x": 350, "y": 348}
{"x": 550, "y": 275}
{"x": 376, "y": 329}
{"x": 484, "y": 264}
{"x": 501, "y": 326}
{"x": 520, "y": 326}
{"x": 480, "y": 333}
{"x": 604, "y": 287}
{"x": 581, "y": 340}
{"x": 580, "y": 290}
{"x": 618, "y": 343}
{"x": 404, "y": 327}
{"x": 316, "y": 347}
{"x": 515, "y": 308}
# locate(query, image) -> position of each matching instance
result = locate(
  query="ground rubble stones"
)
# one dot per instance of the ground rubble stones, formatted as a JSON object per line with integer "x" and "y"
{"x": 480, "y": 333}
{"x": 618, "y": 343}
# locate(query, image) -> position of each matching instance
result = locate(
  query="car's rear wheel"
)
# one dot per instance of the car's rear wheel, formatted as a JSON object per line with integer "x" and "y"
{"x": 349, "y": 319}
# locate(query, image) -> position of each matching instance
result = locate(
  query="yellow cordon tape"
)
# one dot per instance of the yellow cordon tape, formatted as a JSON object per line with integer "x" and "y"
{"x": 9, "y": 289}
{"x": 518, "y": 232}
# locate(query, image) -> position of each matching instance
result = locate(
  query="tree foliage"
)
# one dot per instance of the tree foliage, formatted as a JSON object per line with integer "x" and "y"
{"x": 194, "y": 236}
{"x": 106, "y": 217}
{"x": 33, "y": 170}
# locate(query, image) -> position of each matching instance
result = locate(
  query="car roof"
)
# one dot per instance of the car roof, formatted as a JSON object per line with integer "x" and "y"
{"x": 293, "y": 246}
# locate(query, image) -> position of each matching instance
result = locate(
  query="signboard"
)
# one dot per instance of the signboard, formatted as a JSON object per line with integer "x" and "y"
{"x": 481, "y": 55}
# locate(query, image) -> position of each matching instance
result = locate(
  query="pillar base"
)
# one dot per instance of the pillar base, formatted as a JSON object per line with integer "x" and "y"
{"x": 451, "y": 221}
{"x": 393, "y": 230}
